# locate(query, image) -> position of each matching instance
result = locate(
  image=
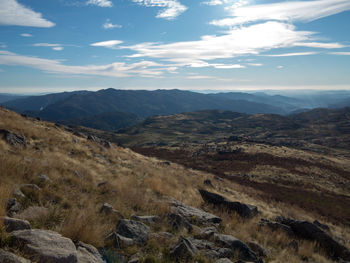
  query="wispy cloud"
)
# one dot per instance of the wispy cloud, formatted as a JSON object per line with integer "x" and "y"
{"x": 108, "y": 44}
{"x": 56, "y": 47}
{"x": 213, "y": 2}
{"x": 304, "y": 11}
{"x": 26, "y": 35}
{"x": 100, "y": 3}
{"x": 340, "y": 53}
{"x": 13, "y": 13}
{"x": 171, "y": 8}
{"x": 291, "y": 54}
{"x": 117, "y": 69}
{"x": 248, "y": 40}
{"x": 109, "y": 25}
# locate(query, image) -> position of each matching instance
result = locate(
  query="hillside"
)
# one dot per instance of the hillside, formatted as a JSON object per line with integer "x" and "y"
{"x": 76, "y": 175}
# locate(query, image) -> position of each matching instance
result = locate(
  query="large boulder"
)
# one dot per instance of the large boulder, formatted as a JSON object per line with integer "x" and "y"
{"x": 13, "y": 224}
{"x": 7, "y": 257}
{"x": 310, "y": 231}
{"x": 242, "y": 209}
{"x": 45, "y": 246}
{"x": 183, "y": 251}
{"x": 88, "y": 254}
{"x": 194, "y": 215}
{"x": 13, "y": 138}
{"x": 149, "y": 220}
{"x": 135, "y": 230}
{"x": 237, "y": 246}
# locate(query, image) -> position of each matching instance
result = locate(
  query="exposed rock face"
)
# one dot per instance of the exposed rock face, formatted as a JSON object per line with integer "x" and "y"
{"x": 258, "y": 250}
{"x": 243, "y": 210}
{"x": 223, "y": 260}
{"x": 135, "y": 230}
{"x": 310, "y": 231}
{"x": 276, "y": 226}
{"x": 88, "y": 254}
{"x": 244, "y": 252}
{"x": 194, "y": 215}
{"x": 207, "y": 232}
{"x": 13, "y": 224}
{"x": 183, "y": 251}
{"x": 7, "y": 257}
{"x": 13, "y": 138}
{"x": 45, "y": 246}
{"x": 150, "y": 220}
{"x": 13, "y": 206}
{"x": 177, "y": 221}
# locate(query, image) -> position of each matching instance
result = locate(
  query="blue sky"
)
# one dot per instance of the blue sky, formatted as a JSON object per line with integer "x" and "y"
{"x": 57, "y": 45}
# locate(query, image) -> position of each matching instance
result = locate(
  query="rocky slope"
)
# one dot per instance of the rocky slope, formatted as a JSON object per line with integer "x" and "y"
{"x": 68, "y": 197}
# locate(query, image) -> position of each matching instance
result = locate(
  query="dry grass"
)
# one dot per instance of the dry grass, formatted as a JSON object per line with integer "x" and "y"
{"x": 135, "y": 184}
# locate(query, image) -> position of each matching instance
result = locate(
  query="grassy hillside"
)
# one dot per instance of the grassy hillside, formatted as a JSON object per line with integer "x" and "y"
{"x": 83, "y": 175}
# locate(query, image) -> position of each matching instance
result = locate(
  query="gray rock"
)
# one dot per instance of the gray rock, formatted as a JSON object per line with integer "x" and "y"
{"x": 18, "y": 193}
{"x": 134, "y": 258}
{"x": 320, "y": 225}
{"x": 150, "y": 220}
{"x": 88, "y": 254}
{"x": 7, "y": 257}
{"x": 135, "y": 230}
{"x": 43, "y": 178}
{"x": 276, "y": 226}
{"x": 243, "y": 210}
{"x": 258, "y": 250}
{"x": 237, "y": 246}
{"x": 207, "y": 232}
{"x": 106, "y": 208}
{"x": 162, "y": 235}
{"x": 13, "y": 138}
{"x": 13, "y": 206}
{"x": 13, "y": 224}
{"x": 194, "y": 215}
{"x": 183, "y": 250}
{"x": 201, "y": 244}
{"x": 177, "y": 221}
{"x": 223, "y": 260}
{"x": 45, "y": 246}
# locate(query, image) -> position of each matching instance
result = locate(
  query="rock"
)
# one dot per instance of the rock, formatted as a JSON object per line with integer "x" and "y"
{"x": 107, "y": 144}
{"x": 194, "y": 215}
{"x": 94, "y": 138}
{"x": 208, "y": 183}
{"x": 13, "y": 138}
{"x": 219, "y": 253}
{"x": 18, "y": 193}
{"x": 308, "y": 230}
{"x": 223, "y": 260}
{"x": 183, "y": 250}
{"x": 134, "y": 258}
{"x": 258, "y": 250}
{"x": 43, "y": 178}
{"x": 237, "y": 246}
{"x": 135, "y": 230}
{"x": 106, "y": 208}
{"x": 45, "y": 246}
{"x": 13, "y": 224}
{"x": 320, "y": 225}
{"x": 7, "y": 257}
{"x": 177, "y": 221}
{"x": 244, "y": 210}
{"x": 12, "y": 206}
{"x": 207, "y": 233}
{"x": 150, "y": 220}
{"x": 162, "y": 235}
{"x": 201, "y": 244}
{"x": 276, "y": 226}
{"x": 88, "y": 254}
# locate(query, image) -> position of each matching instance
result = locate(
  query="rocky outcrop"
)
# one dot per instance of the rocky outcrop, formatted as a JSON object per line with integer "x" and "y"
{"x": 194, "y": 215}
{"x": 310, "y": 231}
{"x": 13, "y": 224}
{"x": 149, "y": 220}
{"x": 7, "y": 257}
{"x": 135, "y": 230}
{"x": 244, "y": 210}
{"x": 13, "y": 138}
{"x": 12, "y": 206}
{"x": 45, "y": 246}
{"x": 276, "y": 226}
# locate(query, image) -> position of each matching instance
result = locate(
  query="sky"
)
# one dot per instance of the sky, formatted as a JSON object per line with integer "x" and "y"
{"x": 56, "y": 45}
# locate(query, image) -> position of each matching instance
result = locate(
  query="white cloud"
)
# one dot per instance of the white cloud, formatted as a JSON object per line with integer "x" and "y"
{"x": 340, "y": 53}
{"x": 3, "y": 45}
{"x": 100, "y": 3}
{"x": 107, "y": 44}
{"x": 26, "y": 35}
{"x": 213, "y": 2}
{"x": 13, "y": 13}
{"x": 304, "y": 11}
{"x": 56, "y": 47}
{"x": 291, "y": 54}
{"x": 109, "y": 25}
{"x": 249, "y": 40}
{"x": 117, "y": 69}
{"x": 255, "y": 64}
{"x": 171, "y": 8}
{"x": 320, "y": 45}
{"x": 280, "y": 67}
